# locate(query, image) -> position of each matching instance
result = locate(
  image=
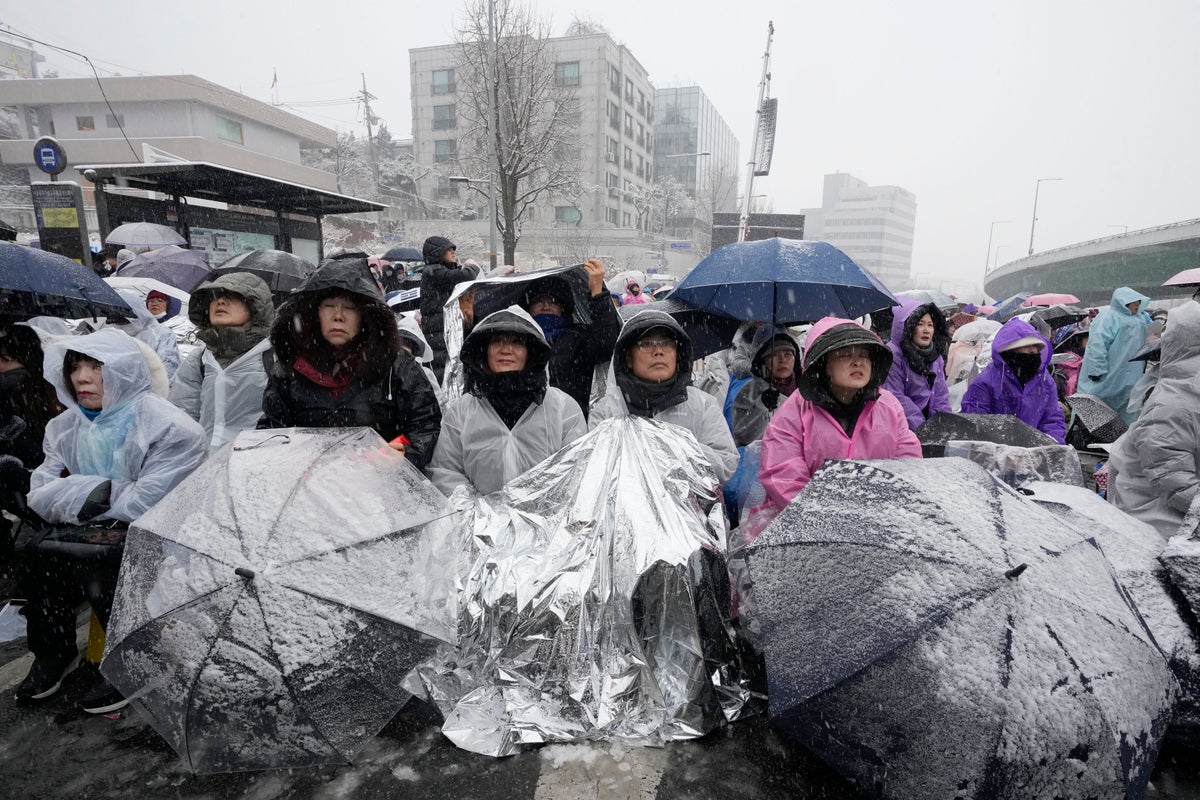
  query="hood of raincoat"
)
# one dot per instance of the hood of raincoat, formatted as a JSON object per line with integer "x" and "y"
{"x": 411, "y": 332}
{"x": 908, "y": 312}
{"x": 435, "y": 248}
{"x": 765, "y": 342}
{"x": 633, "y": 388}
{"x": 125, "y": 372}
{"x": 1124, "y": 296}
{"x": 1010, "y": 334}
{"x": 136, "y": 301}
{"x": 1181, "y": 343}
{"x": 253, "y": 291}
{"x": 297, "y": 329}
{"x": 830, "y": 334}
{"x": 513, "y": 319}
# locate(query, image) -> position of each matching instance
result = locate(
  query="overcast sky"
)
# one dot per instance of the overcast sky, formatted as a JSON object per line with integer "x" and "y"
{"x": 966, "y": 104}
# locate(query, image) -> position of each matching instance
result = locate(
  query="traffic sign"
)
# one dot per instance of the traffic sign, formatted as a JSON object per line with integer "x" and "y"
{"x": 48, "y": 155}
{"x": 681, "y": 245}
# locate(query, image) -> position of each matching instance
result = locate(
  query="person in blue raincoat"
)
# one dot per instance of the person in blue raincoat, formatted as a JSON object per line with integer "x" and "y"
{"x": 1116, "y": 334}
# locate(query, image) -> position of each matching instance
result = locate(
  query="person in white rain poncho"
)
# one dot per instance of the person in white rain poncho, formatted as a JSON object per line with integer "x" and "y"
{"x": 116, "y": 450}
{"x": 221, "y": 383}
{"x": 509, "y": 419}
{"x": 652, "y": 370}
{"x": 145, "y": 328}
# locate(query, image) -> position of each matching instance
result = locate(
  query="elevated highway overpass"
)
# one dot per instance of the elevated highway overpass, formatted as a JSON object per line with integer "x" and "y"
{"x": 1091, "y": 270}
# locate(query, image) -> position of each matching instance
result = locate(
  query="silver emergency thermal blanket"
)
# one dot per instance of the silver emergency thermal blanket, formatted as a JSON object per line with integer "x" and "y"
{"x": 595, "y": 601}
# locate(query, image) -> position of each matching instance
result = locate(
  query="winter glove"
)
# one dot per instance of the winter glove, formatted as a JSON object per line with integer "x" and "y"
{"x": 770, "y": 398}
{"x": 97, "y": 502}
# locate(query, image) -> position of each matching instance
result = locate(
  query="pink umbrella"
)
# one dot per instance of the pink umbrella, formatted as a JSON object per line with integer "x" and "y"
{"x": 1050, "y": 299}
{"x": 984, "y": 310}
{"x": 1189, "y": 277}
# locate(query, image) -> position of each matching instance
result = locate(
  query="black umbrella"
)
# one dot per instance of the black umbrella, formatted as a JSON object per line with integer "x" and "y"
{"x": 39, "y": 283}
{"x": 281, "y": 270}
{"x": 403, "y": 254}
{"x": 493, "y": 294}
{"x": 708, "y": 331}
{"x": 1060, "y": 315}
{"x": 1102, "y": 424}
{"x": 999, "y": 428}
{"x": 7, "y": 232}
{"x": 1149, "y": 352}
{"x": 931, "y": 633}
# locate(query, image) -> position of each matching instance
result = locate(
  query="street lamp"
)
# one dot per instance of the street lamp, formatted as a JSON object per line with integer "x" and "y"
{"x": 986, "y": 264}
{"x": 1033, "y": 224}
{"x": 491, "y": 215}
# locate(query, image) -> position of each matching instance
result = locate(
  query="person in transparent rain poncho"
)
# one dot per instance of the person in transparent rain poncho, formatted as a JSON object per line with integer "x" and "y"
{"x": 508, "y": 419}
{"x": 116, "y": 450}
{"x": 652, "y": 373}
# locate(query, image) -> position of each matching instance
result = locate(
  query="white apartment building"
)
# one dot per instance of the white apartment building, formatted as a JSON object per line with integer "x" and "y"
{"x": 874, "y": 225}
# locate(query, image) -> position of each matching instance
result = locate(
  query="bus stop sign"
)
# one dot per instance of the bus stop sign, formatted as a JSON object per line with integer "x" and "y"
{"x": 48, "y": 155}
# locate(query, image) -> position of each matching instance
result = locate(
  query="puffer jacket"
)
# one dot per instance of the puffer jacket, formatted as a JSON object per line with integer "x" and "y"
{"x": 996, "y": 390}
{"x": 920, "y": 395}
{"x": 1114, "y": 336}
{"x": 387, "y": 390}
{"x": 437, "y": 282}
{"x": 803, "y": 434}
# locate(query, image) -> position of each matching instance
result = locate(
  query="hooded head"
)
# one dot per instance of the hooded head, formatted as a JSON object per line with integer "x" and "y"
{"x": 646, "y": 397}
{"x": 632, "y": 285}
{"x": 124, "y": 256}
{"x": 413, "y": 338}
{"x": 123, "y": 368}
{"x": 513, "y": 321}
{"x": 296, "y": 331}
{"x": 510, "y": 391}
{"x": 767, "y": 341}
{"x": 1016, "y": 336}
{"x": 828, "y": 336}
{"x": 907, "y": 316}
{"x": 223, "y": 338}
{"x": 22, "y": 388}
{"x": 1180, "y": 358}
{"x": 1122, "y": 297}
{"x": 435, "y": 248}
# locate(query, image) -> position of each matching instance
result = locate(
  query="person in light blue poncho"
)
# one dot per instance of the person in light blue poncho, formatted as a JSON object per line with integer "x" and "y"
{"x": 1116, "y": 334}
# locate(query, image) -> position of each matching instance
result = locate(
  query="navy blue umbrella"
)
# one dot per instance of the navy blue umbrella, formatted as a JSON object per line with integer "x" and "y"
{"x": 783, "y": 282}
{"x": 709, "y": 332}
{"x": 39, "y": 283}
{"x": 403, "y": 254}
{"x": 1007, "y": 309}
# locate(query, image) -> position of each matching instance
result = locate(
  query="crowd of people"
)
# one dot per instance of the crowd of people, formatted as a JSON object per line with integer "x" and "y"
{"x": 99, "y": 426}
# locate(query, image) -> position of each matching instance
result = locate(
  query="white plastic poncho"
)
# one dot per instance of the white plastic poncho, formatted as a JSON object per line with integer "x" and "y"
{"x": 146, "y": 328}
{"x": 225, "y": 400}
{"x": 139, "y": 442}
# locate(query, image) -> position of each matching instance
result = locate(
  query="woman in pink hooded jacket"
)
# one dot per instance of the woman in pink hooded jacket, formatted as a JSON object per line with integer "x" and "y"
{"x": 838, "y": 411}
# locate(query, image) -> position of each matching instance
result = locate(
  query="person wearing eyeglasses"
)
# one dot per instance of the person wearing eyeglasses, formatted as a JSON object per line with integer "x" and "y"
{"x": 838, "y": 411}
{"x": 339, "y": 363}
{"x": 509, "y": 418}
{"x": 652, "y": 369}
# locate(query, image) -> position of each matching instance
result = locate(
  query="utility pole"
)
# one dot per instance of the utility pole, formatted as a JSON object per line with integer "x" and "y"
{"x": 366, "y": 98}
{"x": 763, "y": 87}
{"x": 493, "y": 80}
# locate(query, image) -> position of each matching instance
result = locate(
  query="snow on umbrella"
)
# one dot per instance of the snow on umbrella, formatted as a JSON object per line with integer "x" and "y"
{"x": 1151, "y": 351}
{"x": 783, "y": 282}
{"x": 978, "y": 331}
{"x": 37, "y": 283}
{"x": 178, "y": 266}
{"x": 144, "y": 234}
{"x": 939, "y": 299}
{"x": 709, "y": 332}
{"x": 1058, "y": 316}
{"x": 282, "y": 271}
{"x": 945, "y": 427}
{"x": 270, "y": 606}
{"x": 1051, "y": 299}
{"x": 931, "y": 633}
{"x": 1006, "y": 309}
{"x": 1104, "y": 426}
{"x": 1188, "y": 277}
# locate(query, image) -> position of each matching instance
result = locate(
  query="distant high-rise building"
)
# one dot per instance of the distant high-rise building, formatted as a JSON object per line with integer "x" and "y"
{"x": 874, "y": 225}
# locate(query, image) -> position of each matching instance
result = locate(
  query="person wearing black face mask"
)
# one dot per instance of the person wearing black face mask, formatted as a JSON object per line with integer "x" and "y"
{"x": 27, "y": 403}
{"x": 1018, "y": 381}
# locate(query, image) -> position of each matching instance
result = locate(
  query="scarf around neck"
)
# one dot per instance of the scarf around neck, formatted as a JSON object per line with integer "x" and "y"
{"x": 509, "y": 393}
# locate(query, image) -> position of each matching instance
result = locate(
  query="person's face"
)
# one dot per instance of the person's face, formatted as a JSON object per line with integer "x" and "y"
{"x": 111, "y": 261}
{"x": 634, "y": 289}
{"x": 87, "y": 379}
{"x": 1134, "y": 306}
{"x": 156, "y": 305}
{"x": 545, "y": 305}
{"x": 654, "y": 357}
{"x": 507, "y": 352}
{"x": 923, "y": 333}
{"x": 340, "y": 320}
{"x": 8, "y": 363}
{"x": 1027, "y": 349}
{"x": 849, "y": 368}
{"x": 228, "y": 311}
{"x": 782, "y": 363}
{"x": 451, "y": 256}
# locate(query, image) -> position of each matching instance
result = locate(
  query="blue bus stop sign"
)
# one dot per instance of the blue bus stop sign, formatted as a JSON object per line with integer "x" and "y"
{"x": 48, "y": 155}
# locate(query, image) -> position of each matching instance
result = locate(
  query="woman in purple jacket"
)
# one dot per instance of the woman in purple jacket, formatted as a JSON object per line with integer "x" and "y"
{"x": 919, "y": 342}
{"x": 1018, "y": 381}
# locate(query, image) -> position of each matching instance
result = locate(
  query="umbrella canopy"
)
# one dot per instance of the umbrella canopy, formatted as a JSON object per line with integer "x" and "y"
{"x": 146, "y": 285}
{"x": 7, "y": 232}
{"x": 999, "y": 428}
{"x": 986, "y": 309}
{"x": 977, "y": 332}
{"x": 1006, "y": 309}
{"x": 617, "y": 282}
{"x": 1151, "y": 351}
{"x": 1102, "y": 423}
{"x": 144, "y": 234}
{"x": 37, "y": 283}
{"x": 939, "y": 299}
{"x": 783, "y": 282}
{"x": 1189, "y": 277}
{"x": 403, "y": 254}
{"x": 1050, "y": 299}
{"x": 269, "y": 607}
{"x": 1059, "y": 315}
{"x": 930, "y": 632}
{"x": 177, "y": 266}
{"x": 709, "y": 332}
{"x": 282, "y": 271}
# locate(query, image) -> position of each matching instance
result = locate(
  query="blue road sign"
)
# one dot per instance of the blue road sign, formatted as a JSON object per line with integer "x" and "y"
{"x": 48, "y": 155}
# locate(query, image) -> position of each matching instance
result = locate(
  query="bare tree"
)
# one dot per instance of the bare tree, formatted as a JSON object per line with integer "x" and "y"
{"x": 716, "y": 192}
{"x": 533, "y": 123}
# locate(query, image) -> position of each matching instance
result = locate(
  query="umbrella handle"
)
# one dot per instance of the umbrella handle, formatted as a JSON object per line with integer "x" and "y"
{"x": 248, "y": 574}
{"x": 286, "y": 440}
{"x": 1011, "y": 574}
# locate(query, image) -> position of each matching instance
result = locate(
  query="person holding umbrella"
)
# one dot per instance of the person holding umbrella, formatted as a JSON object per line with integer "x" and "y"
{"x": 1017, "y": 381}
{"x": 339, "y": 363}
{"x": 508, "y": 418}
{"x": 438, "y": 279}
{"x": 221, "y": 382}
{"x": 117, "y": 450}
{"x": 652, "y": 369}
{"x": 840, "y": 410}
{"x": 917, "y": 377}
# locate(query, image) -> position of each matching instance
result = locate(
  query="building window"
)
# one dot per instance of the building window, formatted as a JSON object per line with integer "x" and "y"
{"x": 628, "y": 158}
{"x": 641, "y": 135}
{"x": 229, "y": 130}
{"x": 566, "y": 73}
{"x": 614, "y": 181}
{"x": 626, "y": 220}
{"x": 444, "y": 150}
{"x": 614, "y": 116}
{"x": 85, "y": 124}
{"x": 641, "y": 168}
{"x": 443, "y": 118}
{"x": 612, "y": 216}
{"x": 642, "y": 103}
{"x": 629, "y": 91}
{"x": 443, "y": 81}
{"x": 614, "y": 80}
{"x": 114, "y": 120}
{"x": 629, "y": 124}
{"x": 567, "y": 215}
{"x": 445, "y": 189}
{"x": 614, "y": 150}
